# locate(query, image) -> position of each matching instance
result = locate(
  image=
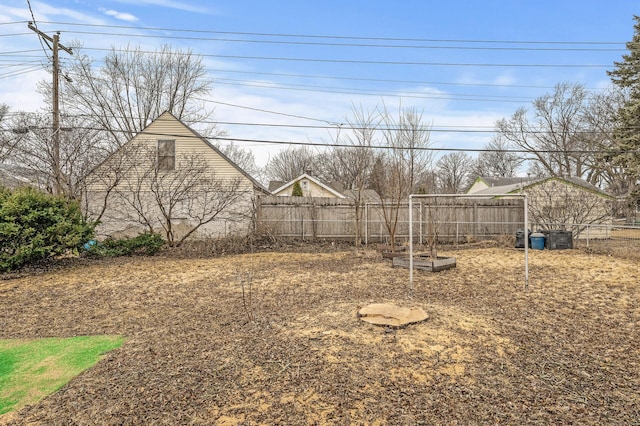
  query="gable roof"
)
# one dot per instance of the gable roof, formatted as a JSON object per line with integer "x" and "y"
{"x": 503, "y": 181}
{"x": 168, "y": 116}
{"x": 275, "y": 184}
{"x": 312, "y": 179}
{"x": 500, "y": 182}
{"x": 523, "y": 184}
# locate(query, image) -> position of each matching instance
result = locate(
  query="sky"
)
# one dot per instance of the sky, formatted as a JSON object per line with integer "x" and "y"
{"x": 293, "y": 71}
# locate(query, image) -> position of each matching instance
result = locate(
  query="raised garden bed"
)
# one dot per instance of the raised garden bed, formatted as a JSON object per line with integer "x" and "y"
{"x": 389, "y": 252}
{"x": 424, "y": 262}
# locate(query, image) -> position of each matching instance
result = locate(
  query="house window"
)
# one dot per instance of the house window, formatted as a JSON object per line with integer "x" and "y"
{"x": 166, "y": 155}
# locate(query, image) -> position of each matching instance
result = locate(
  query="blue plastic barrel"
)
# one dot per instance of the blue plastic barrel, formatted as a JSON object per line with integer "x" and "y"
{"x": 537, "y": 241}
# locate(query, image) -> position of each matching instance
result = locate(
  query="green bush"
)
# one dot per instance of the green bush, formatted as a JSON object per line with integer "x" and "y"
{"x": 146, "y": 244}
{"x": 36, "y": 226}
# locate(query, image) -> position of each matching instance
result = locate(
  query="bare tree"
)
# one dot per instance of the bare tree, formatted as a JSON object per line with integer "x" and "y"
{"x": 557, "y": 205}
{"x": 106, "y": 106}
{"x": 453, "y": 172}
{"x": 244, "y": 158}
{"x": 497, "y": 160}
{"x": 555, "y": 135}
{"x": 134, "y": 87}
{"x": 102, "y": 183}
{"x": 81, "y": 148}
{"x": 405, "y": 162}
{"x": 353, "y": 165}
{"x": 193, "y": 192}
{"x": 10, "y": 135}
{"x": 290, "y": 163}
{"x": 134, "y": 185}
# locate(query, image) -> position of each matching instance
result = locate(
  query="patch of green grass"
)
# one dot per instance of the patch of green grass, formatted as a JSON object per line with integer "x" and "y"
{"x": 33, "y": 369}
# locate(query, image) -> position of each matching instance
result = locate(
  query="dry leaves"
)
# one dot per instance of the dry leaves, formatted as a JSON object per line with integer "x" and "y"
{"x": 566, "y": 351}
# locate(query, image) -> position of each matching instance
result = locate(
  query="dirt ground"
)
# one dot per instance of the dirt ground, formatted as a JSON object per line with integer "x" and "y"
{"x": 292, "y": 350}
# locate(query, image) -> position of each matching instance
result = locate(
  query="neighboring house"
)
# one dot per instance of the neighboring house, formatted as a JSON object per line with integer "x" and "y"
{"x": 311, "y": 187}
{"x": 315, "y": 187}
{"x": 555, "y": 203}
{"x": 325, "y": 210}
{"x": 171, "y": 180}
{"x": 483, "y": 183}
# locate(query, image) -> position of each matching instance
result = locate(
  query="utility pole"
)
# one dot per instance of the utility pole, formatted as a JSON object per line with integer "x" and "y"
{"x": 55, "y": 137}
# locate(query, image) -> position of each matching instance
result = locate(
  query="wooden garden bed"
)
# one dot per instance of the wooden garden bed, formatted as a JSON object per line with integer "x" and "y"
{"x": 424, "y": 262}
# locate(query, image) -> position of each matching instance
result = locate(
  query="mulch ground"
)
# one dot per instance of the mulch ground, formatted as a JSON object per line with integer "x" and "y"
{"x": 292, "y": 350}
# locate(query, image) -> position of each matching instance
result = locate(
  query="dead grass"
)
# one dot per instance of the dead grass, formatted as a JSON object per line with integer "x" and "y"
{"x": 566, "y": 351}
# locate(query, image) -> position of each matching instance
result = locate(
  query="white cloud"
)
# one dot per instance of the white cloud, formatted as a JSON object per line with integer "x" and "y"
{"x": 10, "y": 14}
{"x": 438, "y": 110}
{"x": 506, "y": 78}
{"x": 170, "y": 4}
{"x": 45, "y": 12}
{"x": 119, "y": 15}
{"x": 20, "y": 91}
{"x": 602, "y": 84}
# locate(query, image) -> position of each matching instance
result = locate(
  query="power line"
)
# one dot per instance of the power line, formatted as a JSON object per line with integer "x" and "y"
{"x": 442, "y": 129}
{"x": 263, "y": 110}
{"x": 328, "y": 44}
{"x": 343, "y": 37}
{"x": 35, "y": 25}
{"x": 307, "y": 76}
{"x": 330, "y": 125}
{"x": 15, "y": 34}
{"x": 21, "y": 71}
{"x": 383, "y": 147}
{"x": 376, "y": 80}
{"x": 15, "y": 52}
{"x": 369, "y": 92}
{"x": 374, "y": 62}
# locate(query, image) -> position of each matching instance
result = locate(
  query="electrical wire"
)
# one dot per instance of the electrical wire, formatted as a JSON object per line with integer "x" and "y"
{"x": 35, "y": 24}
{"x": 328, "y": 44}
{"x": 22, "y": 71}
{"x": 370, "y": 62}
{"x": 368, "y": 92}
{"x": 340, "y": 37}
{"x": 377, "y": 80}
{"x": 329, "y": 126}
{"x": 346, "y": 145}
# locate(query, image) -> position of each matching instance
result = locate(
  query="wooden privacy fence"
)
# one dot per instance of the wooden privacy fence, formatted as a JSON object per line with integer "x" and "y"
{"x": 334, "y": 218}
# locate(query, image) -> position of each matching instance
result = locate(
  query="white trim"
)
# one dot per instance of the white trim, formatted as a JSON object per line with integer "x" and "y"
{"x": 312, "y": 179}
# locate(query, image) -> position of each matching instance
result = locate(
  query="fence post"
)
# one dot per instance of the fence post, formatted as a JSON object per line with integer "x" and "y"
{"x": 421, "y": 219}
{"x": 475, "y": 220}
{"x": 366, "y": 224}
{"x": 314, "y": 221}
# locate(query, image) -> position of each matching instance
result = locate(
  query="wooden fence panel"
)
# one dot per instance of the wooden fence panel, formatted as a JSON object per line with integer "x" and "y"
{"x": 333, "y": 218}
